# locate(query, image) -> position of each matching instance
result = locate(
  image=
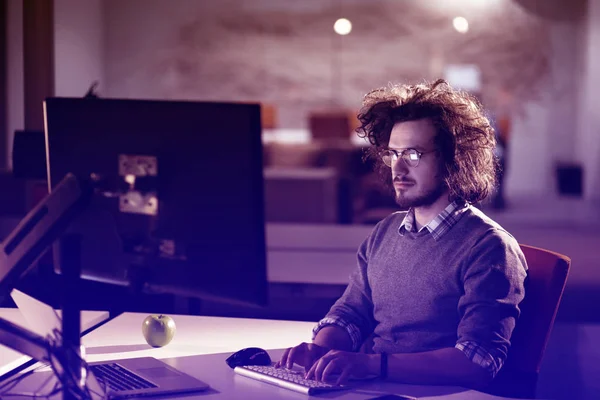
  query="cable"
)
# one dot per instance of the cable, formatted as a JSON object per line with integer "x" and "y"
{"x": 16, "y": 379}
{"x": 69, "y": 377}
{"x": 19, "y": 378}
{"x": 34, "y": 394}
{"x": 60, "y": 360}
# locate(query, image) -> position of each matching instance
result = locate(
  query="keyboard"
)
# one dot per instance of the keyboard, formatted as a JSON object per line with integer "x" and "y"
{"x": 286, "y": 378}
{"x": 117, "y": 378}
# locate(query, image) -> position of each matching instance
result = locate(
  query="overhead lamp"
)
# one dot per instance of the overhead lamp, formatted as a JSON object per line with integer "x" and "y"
{"x": 342, "y": 26}
{"x": 460, "y": 24}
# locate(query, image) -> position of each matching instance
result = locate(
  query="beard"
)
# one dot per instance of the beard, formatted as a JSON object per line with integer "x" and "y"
{"x": 421, "y": 200}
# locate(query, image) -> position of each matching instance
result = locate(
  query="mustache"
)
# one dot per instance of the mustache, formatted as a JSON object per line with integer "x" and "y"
{"x": 402, "y": 180}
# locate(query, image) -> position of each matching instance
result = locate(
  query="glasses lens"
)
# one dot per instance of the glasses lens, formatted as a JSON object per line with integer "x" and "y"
{"x": 388, "y": 157}
{"x": 411, "y": 157}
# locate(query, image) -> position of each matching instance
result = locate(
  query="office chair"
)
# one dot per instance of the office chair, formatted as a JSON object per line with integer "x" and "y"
{"x": 546, "y": 279}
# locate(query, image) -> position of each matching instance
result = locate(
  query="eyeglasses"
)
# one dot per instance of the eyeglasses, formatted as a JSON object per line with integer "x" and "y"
{"x": 411, "y": 157}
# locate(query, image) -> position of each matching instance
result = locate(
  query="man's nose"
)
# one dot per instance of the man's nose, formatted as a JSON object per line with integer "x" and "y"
{"x": 399, "y": 167}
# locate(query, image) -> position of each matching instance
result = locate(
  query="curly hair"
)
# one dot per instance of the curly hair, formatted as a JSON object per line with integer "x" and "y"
{"x": 465, "y": 137}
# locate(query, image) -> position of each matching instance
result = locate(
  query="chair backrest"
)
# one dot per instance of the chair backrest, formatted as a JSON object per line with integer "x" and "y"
{"x": 546, "y": 279}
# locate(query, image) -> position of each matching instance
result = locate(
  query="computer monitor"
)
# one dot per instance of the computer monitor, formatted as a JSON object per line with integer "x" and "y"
{"x": 179, "y": 203}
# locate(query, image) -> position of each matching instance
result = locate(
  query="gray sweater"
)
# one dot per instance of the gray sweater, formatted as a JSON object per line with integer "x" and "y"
{"x": 417, "y": 294}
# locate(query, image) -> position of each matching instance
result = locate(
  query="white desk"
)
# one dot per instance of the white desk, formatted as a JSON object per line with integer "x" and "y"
{"x": 201, "y": 345}
{"x": 313, "y": 254}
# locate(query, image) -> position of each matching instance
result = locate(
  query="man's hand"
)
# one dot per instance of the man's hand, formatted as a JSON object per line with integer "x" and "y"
{"x": 345, "y": 364}
{"x": 305, "y": 354}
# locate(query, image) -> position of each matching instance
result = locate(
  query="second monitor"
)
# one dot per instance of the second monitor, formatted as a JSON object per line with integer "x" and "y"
{"x": 179, "y": 205}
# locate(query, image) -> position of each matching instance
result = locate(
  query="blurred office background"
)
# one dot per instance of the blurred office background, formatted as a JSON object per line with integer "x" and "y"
{"x": 535, "y": 65}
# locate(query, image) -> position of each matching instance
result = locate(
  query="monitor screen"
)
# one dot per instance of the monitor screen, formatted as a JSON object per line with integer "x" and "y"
{"x": 179, "y": 193}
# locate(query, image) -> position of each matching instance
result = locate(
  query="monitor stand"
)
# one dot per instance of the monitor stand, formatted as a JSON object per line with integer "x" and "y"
{"x": 67, "y": 353}
{"x": 70, "y": 250}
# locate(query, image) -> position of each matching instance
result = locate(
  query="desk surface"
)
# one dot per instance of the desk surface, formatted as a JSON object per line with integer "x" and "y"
{"x": 201, "y": 345}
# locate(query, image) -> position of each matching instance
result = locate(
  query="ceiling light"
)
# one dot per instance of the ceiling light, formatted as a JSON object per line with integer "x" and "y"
{"x": 461, "y": 24}
{"x": 342, "y": 26}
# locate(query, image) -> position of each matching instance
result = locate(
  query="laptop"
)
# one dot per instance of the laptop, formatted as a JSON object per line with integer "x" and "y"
{"x": 41, "y": 319}
{"x": 44, "y": 320}
{"x": 143, "y": 376}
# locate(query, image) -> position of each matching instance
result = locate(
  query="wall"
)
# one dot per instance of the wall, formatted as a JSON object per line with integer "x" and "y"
{"x": 14, "y": 71}
{"x": 78, "y": 46}
{"x": 289, "y": 55}
{"x": 284, "y": 53}
{"x": 588, "y": 149}
{"x": 78, "y": 55}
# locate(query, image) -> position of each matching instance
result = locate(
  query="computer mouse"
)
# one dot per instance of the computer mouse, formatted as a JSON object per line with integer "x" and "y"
{"x": 249, "y": 356}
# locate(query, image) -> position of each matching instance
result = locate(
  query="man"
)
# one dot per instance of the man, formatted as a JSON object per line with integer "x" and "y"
{"x": 435, "y": 296}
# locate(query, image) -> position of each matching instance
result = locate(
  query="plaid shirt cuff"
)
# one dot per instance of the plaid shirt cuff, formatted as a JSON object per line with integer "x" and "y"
{"x": 480, "y": 356}
{"x": 351, "y": 329}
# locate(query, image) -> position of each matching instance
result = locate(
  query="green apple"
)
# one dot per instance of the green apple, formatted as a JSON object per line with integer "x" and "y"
{"x": 158, "y": 330}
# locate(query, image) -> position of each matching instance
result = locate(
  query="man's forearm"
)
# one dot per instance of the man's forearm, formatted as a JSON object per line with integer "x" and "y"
{"x": 449, "y": 366}
{"x": 333, "y": 337}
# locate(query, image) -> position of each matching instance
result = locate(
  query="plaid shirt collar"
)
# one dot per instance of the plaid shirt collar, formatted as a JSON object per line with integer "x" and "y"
{"x": 440, "y": 224}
